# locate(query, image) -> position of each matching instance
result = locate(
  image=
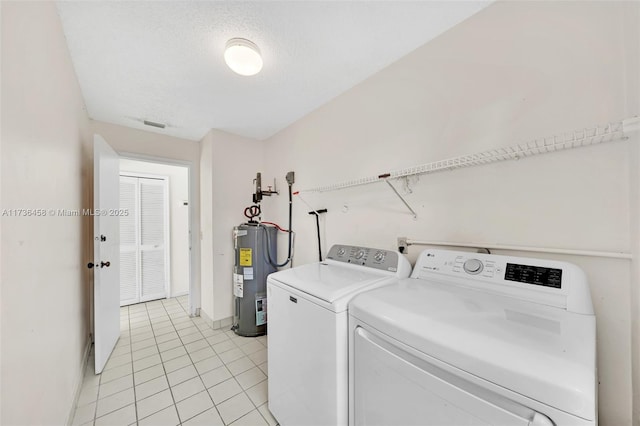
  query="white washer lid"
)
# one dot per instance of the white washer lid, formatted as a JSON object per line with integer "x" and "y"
{"x": 327, "y": 281}
{"x": 541, "y": 352}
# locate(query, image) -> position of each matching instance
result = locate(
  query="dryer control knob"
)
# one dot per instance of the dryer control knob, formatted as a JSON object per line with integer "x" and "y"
{"x": 473, "y": 266}
{"x": 379, "y": 256}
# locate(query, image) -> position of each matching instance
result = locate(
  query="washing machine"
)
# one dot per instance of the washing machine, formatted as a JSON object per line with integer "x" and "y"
{"x": 475, "y": 339}
{"x": 308, "y": 331}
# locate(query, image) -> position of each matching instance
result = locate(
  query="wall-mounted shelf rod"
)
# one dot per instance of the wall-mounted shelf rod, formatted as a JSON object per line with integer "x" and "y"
{"x": 404, "y": 243}
{"x": 600, "y": 134}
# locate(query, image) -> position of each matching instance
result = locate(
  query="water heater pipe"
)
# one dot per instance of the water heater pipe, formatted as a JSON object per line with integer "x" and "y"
{"x": 290, "y": 180}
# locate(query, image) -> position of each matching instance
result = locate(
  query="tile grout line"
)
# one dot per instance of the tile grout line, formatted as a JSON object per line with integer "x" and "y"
{"x": 133, "y": 372}
{"x": 95, "y": 409}
{"x": 197, "y": 372}
{"x": 165, "y": 373}
{"x": 133, "y": 377}
{"x": 233, "y": 376}
{"x": 95, "y": 415}
{"x": 243, "y": 390}
{"x": 172, "y": 317}
{"x": 200, "y": 377}
{"x": 130, "y": 330}
{"x": 175, "y": 405}
{"x": 95, "y": 412}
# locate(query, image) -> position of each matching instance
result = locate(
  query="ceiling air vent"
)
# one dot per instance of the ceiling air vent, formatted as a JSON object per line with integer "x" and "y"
{"x": 154, "y": 124}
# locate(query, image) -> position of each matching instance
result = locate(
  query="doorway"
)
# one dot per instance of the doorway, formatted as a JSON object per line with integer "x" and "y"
{"x": 155, "y": 234}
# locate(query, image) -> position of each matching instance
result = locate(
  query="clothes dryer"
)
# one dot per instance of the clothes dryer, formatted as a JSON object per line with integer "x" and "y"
{"x": 475, "y": 339}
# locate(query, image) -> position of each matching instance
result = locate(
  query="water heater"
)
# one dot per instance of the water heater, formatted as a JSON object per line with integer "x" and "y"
{"x": 255, "y": 254}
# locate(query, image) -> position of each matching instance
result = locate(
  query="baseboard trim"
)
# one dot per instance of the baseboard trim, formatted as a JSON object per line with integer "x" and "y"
{"x": 205, "y": 317}
{"x": 218, "y": 324}
{"x": 223, "y": 323}
{"x": 80, "y": 380}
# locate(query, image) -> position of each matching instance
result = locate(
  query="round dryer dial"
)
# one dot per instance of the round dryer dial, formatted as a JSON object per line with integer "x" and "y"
{"x": 379, "y": 256}
{"x": 473, "y": 266}
{"x": 359, "y": 254}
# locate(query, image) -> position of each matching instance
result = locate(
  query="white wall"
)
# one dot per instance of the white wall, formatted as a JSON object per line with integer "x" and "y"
{"x": 632, "y": 33}
{"x": 206, "y": 233}
{"x": 511, "y": 73}
{"x": 178, "y": 218}
{"x": 46, "y": 158}
{"x": 153, "y": 145}
{"x": 634, "y": 161}
{"x": 229, "y": 165}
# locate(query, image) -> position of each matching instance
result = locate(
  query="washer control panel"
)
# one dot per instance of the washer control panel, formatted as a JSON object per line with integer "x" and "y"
{"x": 472, "y": 266}
{"x": 547, "y": 282}
{"x": 489, "y": 266}
{"x": 386, "y": 260}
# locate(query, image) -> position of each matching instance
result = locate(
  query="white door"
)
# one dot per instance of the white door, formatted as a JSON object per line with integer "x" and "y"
{"x": 144, "y": 238}
{"x": 106, "y": 250}
{"x": 129, "y": 236}
{"x": 154, "y": 226}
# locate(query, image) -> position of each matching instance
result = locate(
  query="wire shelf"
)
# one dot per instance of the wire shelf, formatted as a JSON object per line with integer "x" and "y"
{"x": 580, "y": 138}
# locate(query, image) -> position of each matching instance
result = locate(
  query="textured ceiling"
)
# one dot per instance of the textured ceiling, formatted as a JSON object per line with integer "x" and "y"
{"x": 163, "y": 61}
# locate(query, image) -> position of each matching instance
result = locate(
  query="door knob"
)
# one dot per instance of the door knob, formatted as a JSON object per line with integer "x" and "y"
{"x": 102, "y": 264}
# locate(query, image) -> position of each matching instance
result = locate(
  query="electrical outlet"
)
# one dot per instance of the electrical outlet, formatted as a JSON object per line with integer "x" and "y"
{"x": 402, "y": 244}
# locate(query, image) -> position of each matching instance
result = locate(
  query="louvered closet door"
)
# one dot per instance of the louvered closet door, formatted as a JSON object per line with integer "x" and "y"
{"x": 144, "y": 233}
{"x": 153, "y": 222}
{"x": 129, "y": 273}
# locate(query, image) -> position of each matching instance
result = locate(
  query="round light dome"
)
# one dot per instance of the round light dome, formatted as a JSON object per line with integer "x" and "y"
{"x": 243, "y": 56}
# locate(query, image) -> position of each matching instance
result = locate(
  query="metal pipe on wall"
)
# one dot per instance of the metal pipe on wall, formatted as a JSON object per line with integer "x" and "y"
{"x": 404, "y": 242}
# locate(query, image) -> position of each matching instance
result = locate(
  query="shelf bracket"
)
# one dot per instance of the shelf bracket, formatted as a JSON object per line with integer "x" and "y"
{"x": 415, "y": 216}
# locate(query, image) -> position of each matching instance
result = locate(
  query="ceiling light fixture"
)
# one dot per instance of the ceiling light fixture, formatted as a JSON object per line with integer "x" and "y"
{"x": 243, "y": 56}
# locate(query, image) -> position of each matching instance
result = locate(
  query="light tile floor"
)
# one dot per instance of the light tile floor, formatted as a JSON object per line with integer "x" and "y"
{"x": 170, "y": 369}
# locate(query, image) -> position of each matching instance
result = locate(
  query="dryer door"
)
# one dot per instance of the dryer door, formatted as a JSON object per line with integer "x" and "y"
{"x": 394, "y": 386}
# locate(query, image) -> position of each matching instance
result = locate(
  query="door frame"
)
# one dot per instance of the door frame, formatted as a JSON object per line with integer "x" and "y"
{"x": 194, "y": 223}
